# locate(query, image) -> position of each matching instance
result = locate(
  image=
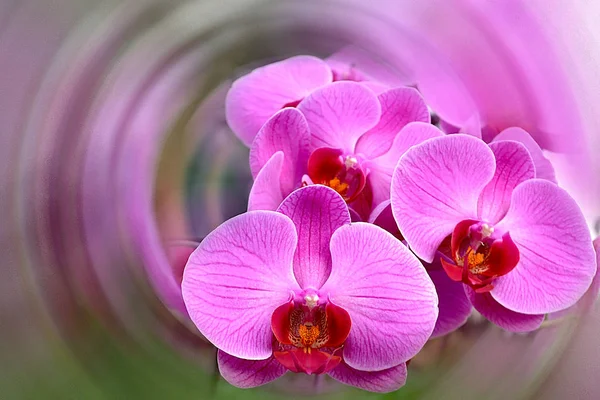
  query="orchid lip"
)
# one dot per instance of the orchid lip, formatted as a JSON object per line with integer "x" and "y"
{"x": 341, "y": 172}
{"x": 479, "y": 255}
{"x": 308, "y": 331}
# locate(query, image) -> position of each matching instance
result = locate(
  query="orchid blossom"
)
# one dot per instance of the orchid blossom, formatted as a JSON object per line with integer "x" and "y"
{"x": 343, "y": 136}
{"x": 304, "y": 290}
{"x": 519, "y": 244}
{"x": 258, "y": 95}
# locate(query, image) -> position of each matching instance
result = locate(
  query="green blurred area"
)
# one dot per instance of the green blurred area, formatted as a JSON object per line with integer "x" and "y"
{"x": 112, "y": 369}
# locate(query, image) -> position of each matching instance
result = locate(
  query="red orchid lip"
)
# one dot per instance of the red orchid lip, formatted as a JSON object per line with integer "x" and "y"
{"x": 314, "y": 362}
{"x": 477, "y": 258}
{"x": 310, "y": 332}
{"x": 329, "y": 167}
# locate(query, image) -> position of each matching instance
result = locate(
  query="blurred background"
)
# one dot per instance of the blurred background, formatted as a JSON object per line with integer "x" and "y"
{"x": 115, "y": 160}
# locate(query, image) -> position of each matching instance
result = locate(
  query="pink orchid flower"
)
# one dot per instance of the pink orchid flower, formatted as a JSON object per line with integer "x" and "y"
{"x": 343, "y": 136}
{"x": 305, "y": 290}
{"x": 257, "y": 96}
{"x": 519, "y": 245}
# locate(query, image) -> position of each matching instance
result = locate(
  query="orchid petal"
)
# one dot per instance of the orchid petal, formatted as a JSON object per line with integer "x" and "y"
{"x": 399, "y": 106}
{"x": 381, "y": 168}
{"x": 237, "y": 277}
{"x": 447, "y": 95}
{"x": 266, "y": 191}
{"x": 435, "y": 186}
{"x": 391, "y": 301}
{"x": 375, "y": 87}
{"x": 557, "y": 259}
{"x": 286, "y": 131}
{"x": 247, "y": 374}
{"x": 317, "y": 211}
{"x": 543, "y": 166}
{"x": 590, "y": 298}
{"x": 339, "y": 113}
{"x": 503, "y": 317}
{"x": 513, "y": 166}
{"x": 356, "y": 64}
{"x": 382, "y": 217}
{"x": 170, "y": 294}
{"x": 384, "y": 381}
{"x": 255, "y": 97}
{"x": 455, "y": 307}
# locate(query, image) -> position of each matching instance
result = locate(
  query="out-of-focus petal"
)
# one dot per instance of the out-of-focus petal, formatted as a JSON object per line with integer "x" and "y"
{"x": 237, "y": 277}
{"x": 255, "y": 97}
{"x": 435, "y": 186}
{"x": 446, "y": 94}
{"x": 454, "y": 305}
{"x": 247, "y": 374}
{"x": 286, "y": 131}
{"x": 178, "y": 256}
{"x": 513, "y": 166}
{"x": 338, "y": 114}
{"x": 381, "y": 168}
{"x": 384, "y": 381}
{"x": 557, "y": 259}
{"x": 317, "y": 211}
{"x": 503, "y": 317}
{"x": 399, "y": 106}
{"x": 387, "y": 292}
{"x": 266, "y": 193}
{"x": 543, "y": 166}
{"x": 356, "y": 64}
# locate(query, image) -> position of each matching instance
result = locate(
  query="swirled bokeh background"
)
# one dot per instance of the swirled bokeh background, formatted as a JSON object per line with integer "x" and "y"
{"x": 115, "y": 159}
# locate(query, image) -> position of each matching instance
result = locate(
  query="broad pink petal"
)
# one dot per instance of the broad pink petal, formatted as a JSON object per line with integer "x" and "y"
{"x": 286, "y": 131}
{"x": 557, "y": 261}
{"x": 503, "y": 317}
{"x": 317, "y": 211}
{"x": 247, "y": 374}
{"x": 266, "y": 193}
{"x": 399, "y": 106}
{"x": 339, "y": 113}
{"x": 237, "y": 277}
{"x": 590, "y": 297}
{"x": 513, "y": 166}
{"x": 543, "y": 166}
{"x": 455, "y": 307}
{"x": 384, "y": 381}
{"x": 382, "y": 168}
{"x": 391, "y": 300}
{"x": 435, "y": 186}
{"x": 255, "y": 97}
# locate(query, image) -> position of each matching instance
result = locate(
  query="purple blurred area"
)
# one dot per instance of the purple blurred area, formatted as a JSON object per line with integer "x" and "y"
{"x": 115, "y": 159}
